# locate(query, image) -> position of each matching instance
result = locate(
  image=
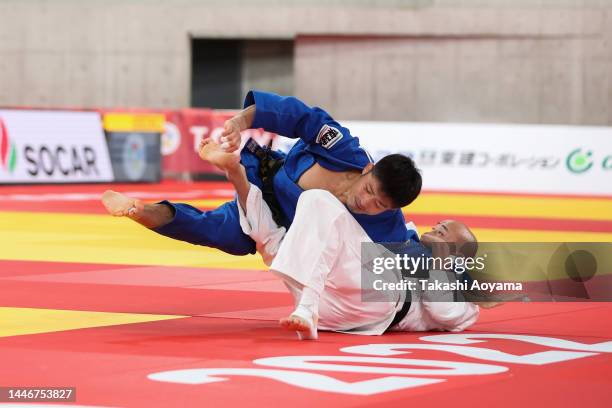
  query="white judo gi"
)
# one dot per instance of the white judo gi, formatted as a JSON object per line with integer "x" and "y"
{"x": 322, "y": 251}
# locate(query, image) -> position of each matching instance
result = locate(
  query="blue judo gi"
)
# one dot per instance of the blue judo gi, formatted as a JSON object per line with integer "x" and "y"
{"x": 322, "y": 141}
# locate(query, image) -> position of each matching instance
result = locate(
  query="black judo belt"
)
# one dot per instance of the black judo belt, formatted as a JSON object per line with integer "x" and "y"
{"x": 400, "y": 314}
{"x": 268, "y": 167}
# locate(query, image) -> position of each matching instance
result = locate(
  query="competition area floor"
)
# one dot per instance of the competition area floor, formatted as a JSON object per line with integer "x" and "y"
{"x": 132, "y": 319}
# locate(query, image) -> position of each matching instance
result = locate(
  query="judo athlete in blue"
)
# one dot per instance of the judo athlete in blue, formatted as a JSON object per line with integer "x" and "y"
{"x": 321, "y": 262}
{"x": 326, "y": 190}
{"x": 326, "y": 157}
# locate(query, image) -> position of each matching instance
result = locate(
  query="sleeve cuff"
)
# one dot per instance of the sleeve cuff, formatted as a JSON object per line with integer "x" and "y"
{"x": 249, "y": 100}
{"x": 261, "y": 119}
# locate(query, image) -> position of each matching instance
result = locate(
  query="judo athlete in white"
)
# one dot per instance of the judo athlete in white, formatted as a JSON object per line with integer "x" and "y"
{"x": 319, "y": 260}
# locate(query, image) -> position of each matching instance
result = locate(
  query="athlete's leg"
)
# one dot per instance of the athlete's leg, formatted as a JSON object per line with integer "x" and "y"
{"x": 255, "y": 216}
{"x": 257, "y": 222}
{"x": 320, "y": 260}
{"x": 149, "y": 215}
{"x": 219, "y": 228}
{"x": 304, "y": 264}
{"x": 212, "y": 152}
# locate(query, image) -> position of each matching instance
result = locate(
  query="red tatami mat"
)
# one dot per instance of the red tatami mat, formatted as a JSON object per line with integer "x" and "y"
{"x": 111, "y": 366}
{"x": 222, "y": 346}
{"x": 117, "y": 365}
{"x": 85, "y": 198}
{"x": 165, "y": 276}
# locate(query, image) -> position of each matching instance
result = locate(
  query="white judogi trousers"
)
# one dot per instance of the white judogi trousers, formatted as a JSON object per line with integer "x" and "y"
{"x": 322, "y": 251}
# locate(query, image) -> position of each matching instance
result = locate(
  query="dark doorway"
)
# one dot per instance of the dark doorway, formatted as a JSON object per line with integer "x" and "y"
{"x": 215, "y": 73}
{"x": 224, "y": 70}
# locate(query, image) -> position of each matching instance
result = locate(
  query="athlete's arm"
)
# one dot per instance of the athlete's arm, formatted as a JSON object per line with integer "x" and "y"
{"x": 230, "y": 138}
{"x": 285, "y": 115}
{"x": 288, "y": 116}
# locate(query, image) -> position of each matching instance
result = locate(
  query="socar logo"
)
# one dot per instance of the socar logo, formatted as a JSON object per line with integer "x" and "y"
{"x": 8, "y": 151}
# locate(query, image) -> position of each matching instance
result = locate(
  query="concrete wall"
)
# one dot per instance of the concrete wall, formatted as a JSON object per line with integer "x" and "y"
{"x": 530, "y": 80}
{"x": 533, "y": 61}
{"x": 268, "y": 65}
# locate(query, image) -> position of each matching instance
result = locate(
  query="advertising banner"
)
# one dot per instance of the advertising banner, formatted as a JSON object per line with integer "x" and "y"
{"x": 185, "y": 129}
{"x": 39, "y": 146}
{"x": 565, "y": 160}
{"x": 134, "y": 145}
{"x": 179, "y": 158}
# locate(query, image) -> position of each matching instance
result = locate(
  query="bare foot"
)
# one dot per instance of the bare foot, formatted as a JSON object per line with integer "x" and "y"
{"x": 120, "y": 205}
{"x": 305, "y": 329}
{"x": 215, "y": 155}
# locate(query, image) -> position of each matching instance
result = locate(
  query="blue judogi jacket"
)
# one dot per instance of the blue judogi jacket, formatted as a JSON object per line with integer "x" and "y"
{"x": 323, "y": 141}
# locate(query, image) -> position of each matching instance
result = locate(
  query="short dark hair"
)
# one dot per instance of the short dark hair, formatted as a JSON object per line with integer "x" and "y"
{"x": 399, "y": 179}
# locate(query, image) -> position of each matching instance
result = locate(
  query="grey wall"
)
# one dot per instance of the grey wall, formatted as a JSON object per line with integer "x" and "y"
{"x": 530, "y": 80}
{"x": 268, "y": 65}
{"x": 534, "y": 61}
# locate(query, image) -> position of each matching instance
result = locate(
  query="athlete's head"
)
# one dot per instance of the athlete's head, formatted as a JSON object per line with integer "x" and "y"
{"x": 455, "y": 232}
{"x": 393, "y": 182}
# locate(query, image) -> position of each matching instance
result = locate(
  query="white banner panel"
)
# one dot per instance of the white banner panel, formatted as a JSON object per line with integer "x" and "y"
{"x": 498, "y": 158}
{"x": 52, "y": 147}
{"x": 532, "y": 159}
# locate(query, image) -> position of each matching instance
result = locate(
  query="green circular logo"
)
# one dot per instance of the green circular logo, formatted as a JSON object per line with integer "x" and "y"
{"x": 578, "y": 161}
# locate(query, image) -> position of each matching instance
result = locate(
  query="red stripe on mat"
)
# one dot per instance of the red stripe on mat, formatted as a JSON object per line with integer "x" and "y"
{"x": 13, "y": 269}
{"x": 134, "y": 299}
{"x": 523, "y": 223}
{"x": 166, "y": 185}
{"x": 59, "y": 207}
{"x": 144, "y": 275}
{"x": 31, "y": 197}
{"x": 526, "y": 195}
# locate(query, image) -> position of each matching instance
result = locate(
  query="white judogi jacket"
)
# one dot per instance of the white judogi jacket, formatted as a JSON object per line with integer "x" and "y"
{"x": 322, "y": 250}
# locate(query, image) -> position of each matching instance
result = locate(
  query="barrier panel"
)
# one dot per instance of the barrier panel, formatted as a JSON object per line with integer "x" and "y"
{"x": 42, "y": 146}
{"x": 183, "y": 128}
{"x": 183, "y": 133}
{"x": 565, "y": 160}
{"x": 45, "y": 146}
{"x": 514, "y": 159}
{"x": 134, "y": 142}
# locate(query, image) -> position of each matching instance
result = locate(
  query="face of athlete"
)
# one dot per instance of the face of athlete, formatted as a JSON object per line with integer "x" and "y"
{"x": 366, "y": 197}
{"x": 445, "y": 231}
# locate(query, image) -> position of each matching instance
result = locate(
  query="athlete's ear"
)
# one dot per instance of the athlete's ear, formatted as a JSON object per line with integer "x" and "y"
{"x": 367, "y": 168}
